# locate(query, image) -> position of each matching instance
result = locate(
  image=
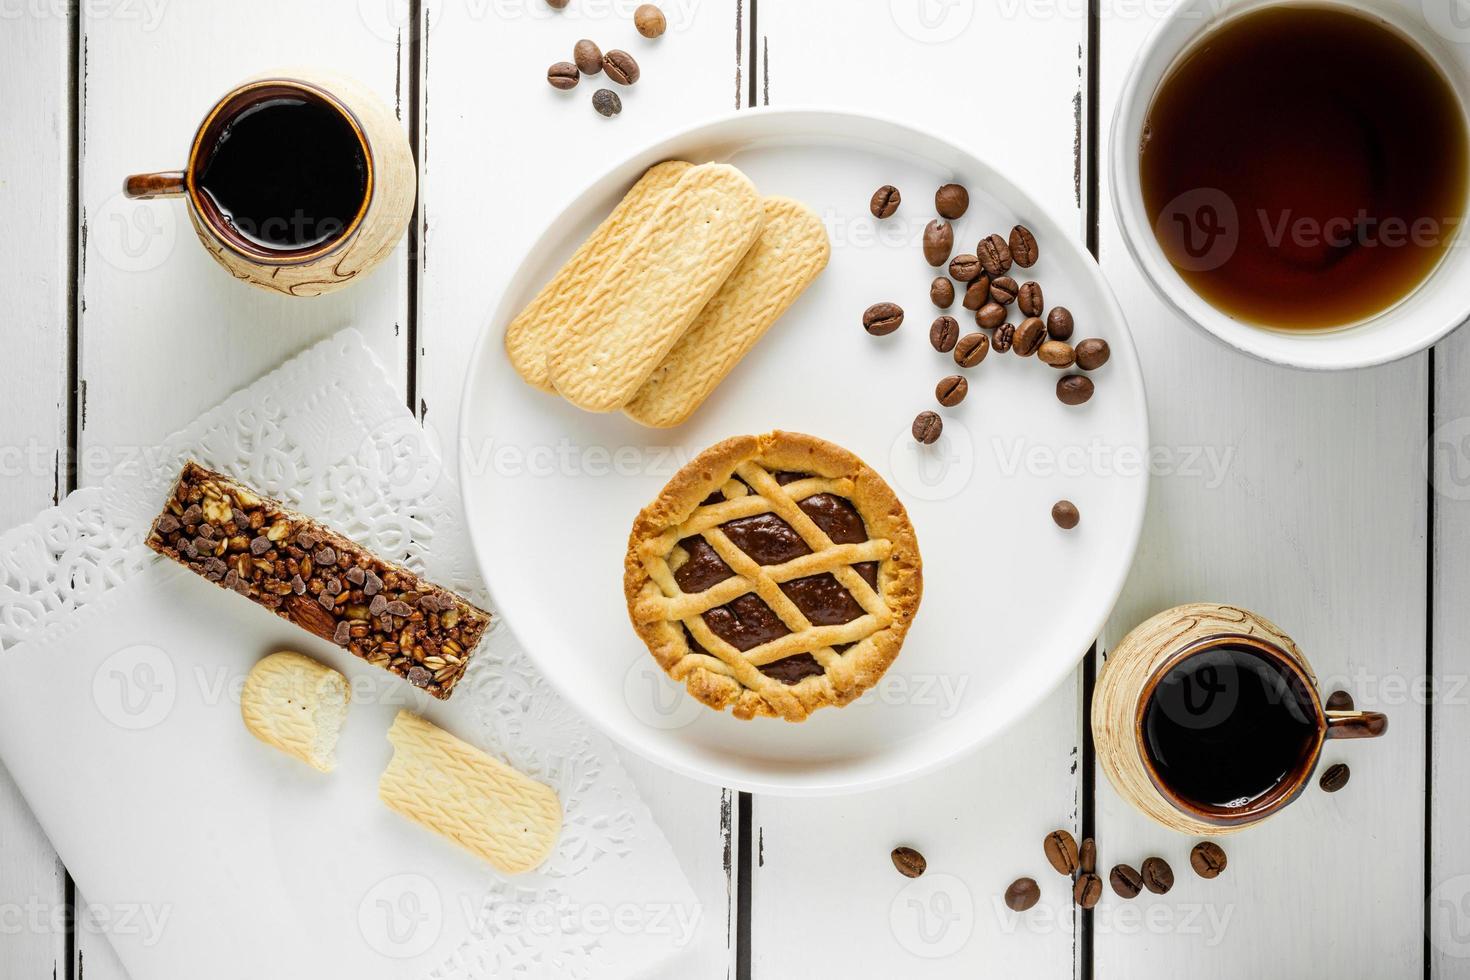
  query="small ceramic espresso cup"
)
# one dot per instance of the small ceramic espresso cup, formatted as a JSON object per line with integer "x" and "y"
{"x": 1207, "y": 718}
{"x": 382, "y": 193}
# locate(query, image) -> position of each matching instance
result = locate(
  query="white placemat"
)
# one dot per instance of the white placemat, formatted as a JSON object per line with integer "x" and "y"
{"x": 198, "y": 847}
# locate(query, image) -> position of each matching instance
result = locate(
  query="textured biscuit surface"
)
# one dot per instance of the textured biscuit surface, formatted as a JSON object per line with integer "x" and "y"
{"x": 459, "y": 792}
{"x": 680, "y": 258}
{"x": 529, "y": 336}
{"x": 297, "y": 705}
{"x": 790, "y": 253}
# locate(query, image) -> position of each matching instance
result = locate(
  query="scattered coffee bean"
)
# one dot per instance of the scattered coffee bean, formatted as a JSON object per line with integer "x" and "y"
{"x": 971, "y": 349}
{"x": 606, "y": 101}
{"x": 563, "y": 75}
{"x": 1059, "y": 323}
{"x": 1028, "y": 299}
{"x": 1158, "y": 877}
{"x": 1061, "y": 851}
{"x": 909, "y": 862}
{"x": 990, "y": 316}
{"x": 1087, "y": 856}
{"x": 885, "y": 201}
{"x": 1074, "y": 389}
{"x": 952, "y": 201}
{"x": 1207, "y": 859}
{"x": 1023, "y": 246}
{"x": 588, "y": 56}
{"x": 964, "y": 267}
{"x": 927, "y": 427}
{"x": 1030, "y": 334}
{"x": 620, "y": 67}
{"x": 1340, "y": 701}
{"x": 649, "y": 20}
{"x": 1126, "y": 881}
{"x": 941, "y": 292}
{"x": 881, "y": 319}
{"x": 1022, "y": 894}
{"x": 977, "y": 294}
{"x": 995, "y": 255}
{"x": 1058, "y": 353}
{"x": 944, "y": 333}
{"x": 938, "y": 241}
{"x": 1004, "y": 335}
{"x": 1092, "y": 354}
{"x": 1065, "y": 513}
{"x": 1335, "y": 778}
{"x": 1087, "y": 891}
{"x": 951, "y": 390}
{"x": 1003, "y": 290}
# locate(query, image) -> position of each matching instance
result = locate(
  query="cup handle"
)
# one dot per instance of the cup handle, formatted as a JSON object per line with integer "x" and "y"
{"x": 1356, "y": 724}
{"x": 167, "y": 183}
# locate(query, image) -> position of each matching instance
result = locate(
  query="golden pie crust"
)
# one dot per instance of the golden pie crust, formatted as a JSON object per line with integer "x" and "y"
{"x": 753, "y": 475}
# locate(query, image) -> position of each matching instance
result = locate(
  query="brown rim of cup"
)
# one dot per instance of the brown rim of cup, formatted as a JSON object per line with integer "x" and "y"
{"x": 223, "y": 112}
{"x": 1289, "y": 788}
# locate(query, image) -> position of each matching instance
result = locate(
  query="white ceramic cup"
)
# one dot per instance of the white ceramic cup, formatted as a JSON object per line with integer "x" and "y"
{"x": 1439, "y": 28}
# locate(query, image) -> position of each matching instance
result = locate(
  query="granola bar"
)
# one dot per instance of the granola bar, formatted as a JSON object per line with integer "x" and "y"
{"x": 314, "y": 577}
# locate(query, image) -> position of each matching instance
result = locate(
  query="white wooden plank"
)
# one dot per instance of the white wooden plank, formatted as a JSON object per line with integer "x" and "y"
{"x": 1448, "y": 460}
{"x": 35, "y": 173}
{"x": 502, "y": 154}
{"x": 1313, "y": 513}
{"x": 164, "y": 332}
{"x": 823, "y": 866}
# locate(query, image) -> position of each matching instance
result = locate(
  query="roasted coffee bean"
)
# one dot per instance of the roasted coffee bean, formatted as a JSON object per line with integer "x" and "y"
{"x": 1087, "y": 856}
{"x": 556, "y": 4}
{"x": 1030, "y": 333}
{"x": 1065, "y": 513}
{"x": 588, "y": 56}
{"x": 1335, "y": 778}
{"x": 1028, "y": 299}
{"x": 1087, "y": 891}
{"x": 951, "y": 390}
{"x": 995, "y": 255}
{"x": 620, "y": 67}
{"x": 938, "y": 241}
{"x": 909, "y": 862}
{"x": 941, "y": 292}
{"x": 885, "y": 201}
{"x": 1158, "y": 877}
{"x": 649, "y": 20}
{"x": 1023, "y": 246}
{"x": 1003, "y": 290}
{"x": 1126, "y": 881}
{"x": 1057, "y": 353}
{"x": 1207, "y": 859}
{"x": 563, "y": 75}
{"x": 944, "y": 333}
{"x": 1340, "y": 701}
{"x": 952, "y": 201}
{"x": 1004, "y": 335}
{"x": 1061, "y": 851}
{"x": 971, "y": 349}
{"x": 1074, "y": 389}
{"x": 1092, "y": 354}
{"x": 1059, "y": 323}
{"x": 977, "y": 294}
{"x": 927, "y": 427}
{"x": 882, "y": 319}
{"x": 1022, "y": 894}
{"x": 964, "y": 267}
{"x": 607, "y": 102}
{"x": 990, "y": 316}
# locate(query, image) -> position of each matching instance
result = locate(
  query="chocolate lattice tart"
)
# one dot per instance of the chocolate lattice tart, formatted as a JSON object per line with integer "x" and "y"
{"x": 774, "y": 575}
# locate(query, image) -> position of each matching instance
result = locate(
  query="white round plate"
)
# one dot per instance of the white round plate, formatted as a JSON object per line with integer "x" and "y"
{"x": 1011, "y": 602}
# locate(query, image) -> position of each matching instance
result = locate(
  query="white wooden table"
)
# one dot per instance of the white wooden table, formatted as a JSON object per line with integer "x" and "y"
{"x": 1302, "y": 496}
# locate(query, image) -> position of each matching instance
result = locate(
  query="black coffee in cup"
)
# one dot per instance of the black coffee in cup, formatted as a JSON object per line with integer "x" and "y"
{"x": 1227, "y": 725}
